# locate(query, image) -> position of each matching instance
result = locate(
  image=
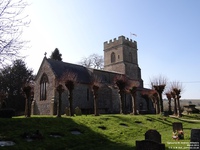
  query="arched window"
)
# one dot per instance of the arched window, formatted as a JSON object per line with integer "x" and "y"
{"x": 43, "y": 87}
{"x": 130, "y": 57}
{"x": 112, "y": 57}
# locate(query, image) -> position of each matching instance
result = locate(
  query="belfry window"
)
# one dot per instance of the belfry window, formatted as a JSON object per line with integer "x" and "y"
{"x": 112, "y": 57}
{"x": 43, "y": 87}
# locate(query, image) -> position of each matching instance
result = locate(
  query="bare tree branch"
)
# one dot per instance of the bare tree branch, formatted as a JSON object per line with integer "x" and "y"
{"x": 159, "y": 84}
{"x": 176, "y": 85}
{"x": 176, "y": 89}
{"x": 12, "y": 22}
{"x": 93, "y": 61}
{"x": 159, "y": 80}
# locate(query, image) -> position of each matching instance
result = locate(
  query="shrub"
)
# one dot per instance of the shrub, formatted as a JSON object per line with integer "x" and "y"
{"x": 7, "y": 113}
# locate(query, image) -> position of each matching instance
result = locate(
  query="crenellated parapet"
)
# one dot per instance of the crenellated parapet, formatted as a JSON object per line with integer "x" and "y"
{"x": 120, "y": 41}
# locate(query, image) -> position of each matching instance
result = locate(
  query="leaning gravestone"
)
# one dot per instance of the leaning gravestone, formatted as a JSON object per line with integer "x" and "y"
{"x": 195, "y": 139}
{"x": 149, "y": 145}
{"x": 153, "y": 135}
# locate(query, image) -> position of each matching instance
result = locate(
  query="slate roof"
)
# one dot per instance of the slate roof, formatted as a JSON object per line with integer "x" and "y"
{"x": 59, "y": 68}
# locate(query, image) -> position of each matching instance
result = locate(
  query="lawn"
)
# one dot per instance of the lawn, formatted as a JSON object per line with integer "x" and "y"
{"x": 104, "y": 132}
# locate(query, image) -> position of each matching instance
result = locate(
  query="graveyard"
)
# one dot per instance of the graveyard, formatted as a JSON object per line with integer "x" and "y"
{"x": 113, "y": 131}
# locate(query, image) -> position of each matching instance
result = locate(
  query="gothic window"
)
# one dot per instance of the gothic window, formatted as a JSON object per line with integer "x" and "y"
{"x": 130, "y": 57}
{"x": 112, "y": 57}
{"x": 43, "y": 87}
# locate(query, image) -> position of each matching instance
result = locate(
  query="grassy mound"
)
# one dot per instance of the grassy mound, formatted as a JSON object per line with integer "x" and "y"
{"x": 105, "y": 132}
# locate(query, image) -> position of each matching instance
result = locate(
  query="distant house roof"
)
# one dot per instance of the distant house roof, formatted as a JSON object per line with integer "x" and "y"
{"x": 60, "y": 67}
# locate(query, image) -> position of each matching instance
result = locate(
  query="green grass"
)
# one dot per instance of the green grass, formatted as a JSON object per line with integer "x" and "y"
{"x": 107, "y": 132}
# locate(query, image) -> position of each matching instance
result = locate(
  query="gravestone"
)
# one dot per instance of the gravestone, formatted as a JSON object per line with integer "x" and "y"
{"x": 178, "y": 129}
{"x": 149, "y": 145}
{"x": 78, "y": 111}
{"x": 67, "y": 111}
{"x": 152, "y": 141}
{"x": 153, "y": 135}
{"x": 177, "y": 126}
{"x": 52, "y": 107}
{"x": 195, "y": 139}
{"x": 32, "y": 108}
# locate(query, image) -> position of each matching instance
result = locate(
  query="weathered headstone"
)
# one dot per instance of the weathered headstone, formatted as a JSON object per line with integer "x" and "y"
{"x": 177, "y": 126}
{"x": 78, "y": 111}
{"x": 153, "y": 135}
{"x": 149, "y": 145}
{"x": 67, "y": 111}
{"x": 195, "y": 139}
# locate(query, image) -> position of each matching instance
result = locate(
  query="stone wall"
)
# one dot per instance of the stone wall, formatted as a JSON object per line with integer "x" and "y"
{"x": 43, "y": 107}
{"x": 83, "y": 98}
{"x": 121, "y": 40}
{"x": 126, "y": 59}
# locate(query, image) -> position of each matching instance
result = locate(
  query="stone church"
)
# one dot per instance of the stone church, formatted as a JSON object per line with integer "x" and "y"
{"x": 120, "y": 57}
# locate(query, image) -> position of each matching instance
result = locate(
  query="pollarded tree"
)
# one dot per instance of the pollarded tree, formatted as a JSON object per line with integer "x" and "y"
{"x": 69, "y": 79}
{"x": 28, "y": 89}
{"x": 12, "y": 22}
{"x": 59, "y": 104}
{"x": 133, "y": 89}
{"x": 95, "y": 85}
{"x": 177, "y": 88}
{"x": 159, "y": 84}
{"x": 153, "y": 96}
{"x": 123, "y": 84}
{"x": 175, "y": 102}
{"x": 56, "y": 55}
{"x": 169, "y": 97}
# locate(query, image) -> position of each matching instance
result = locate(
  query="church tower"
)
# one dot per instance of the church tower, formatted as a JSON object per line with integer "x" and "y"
{"x": 120, "y": 55}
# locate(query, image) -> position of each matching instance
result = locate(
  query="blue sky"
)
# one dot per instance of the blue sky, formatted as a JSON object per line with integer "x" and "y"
{"x": 167, "y": 34}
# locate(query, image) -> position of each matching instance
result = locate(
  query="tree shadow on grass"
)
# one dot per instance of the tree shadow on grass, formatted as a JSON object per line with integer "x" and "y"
{"x": 194, "y": 116}
{"x": 162, "y": 120}
{"x": 121, "y": 118}
{"x": 87, "y": 140}
{"x": 187, "y": 120}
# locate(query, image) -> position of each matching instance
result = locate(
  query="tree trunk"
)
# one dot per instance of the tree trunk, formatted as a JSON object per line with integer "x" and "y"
{"x": 27, "y": 91}
{"x": 169, "y": 106}
{"x": 59, "y": 105}
{"x": 96, "y": 111}
{"x": 175, "y": 107}
{"x": 154, "y": 104}
{"x": 161, "y": 102}
{"x": 134, "y": 107}
{"x": 178, "y": 106}
{"x": 157, "y": 106}
{"x": 27, "y": 107}
{"x": 121, "y": 95}
{"x": 71, "y": 102}
{"x": 95, "y": 96}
